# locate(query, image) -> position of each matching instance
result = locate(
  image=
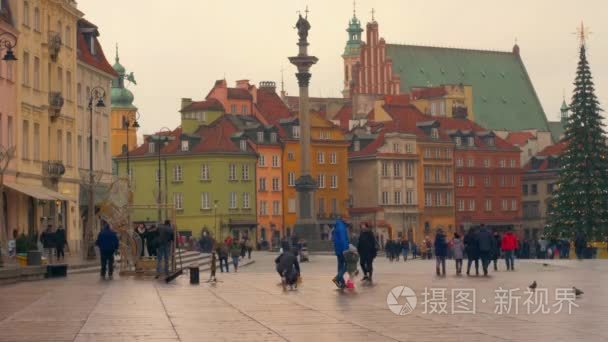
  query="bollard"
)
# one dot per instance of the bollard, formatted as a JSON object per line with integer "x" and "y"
{"x": 194, "y": 275}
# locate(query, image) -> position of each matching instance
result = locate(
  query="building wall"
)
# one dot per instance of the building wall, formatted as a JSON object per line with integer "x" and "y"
{"x": 535, "y": 203}
{"x": 119, "y": 133}
{"x": 455, "y": 94}
{"x": 270, "y": 221}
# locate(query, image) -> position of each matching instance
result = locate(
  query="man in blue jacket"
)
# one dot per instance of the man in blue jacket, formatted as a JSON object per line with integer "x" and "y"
{"x": 340, "y": 238}
{"x": 107, "y": 241}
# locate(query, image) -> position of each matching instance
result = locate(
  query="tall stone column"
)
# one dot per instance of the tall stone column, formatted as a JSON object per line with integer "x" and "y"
{"x": 306, "y": 223}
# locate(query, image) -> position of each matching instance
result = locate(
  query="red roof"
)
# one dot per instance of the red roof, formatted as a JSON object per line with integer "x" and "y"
{"x": 239, "y": 94}
{"x": 98, "y": 60}
{"x": 211, "y": 104}
{"x": 554, "y": 150}
{"x": 271, "y": 106}
{"x": 402, "y": 99}
{"x": 344, "y": 115}
{"x": 519, "y": 138}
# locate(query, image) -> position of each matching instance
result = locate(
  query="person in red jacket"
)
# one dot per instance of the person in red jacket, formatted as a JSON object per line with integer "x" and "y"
{"x": 509, "y": 245}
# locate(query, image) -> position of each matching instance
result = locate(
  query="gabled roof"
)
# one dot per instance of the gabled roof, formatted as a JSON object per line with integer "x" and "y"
{"x": 344, "y": 115}
{"x": 271, "y": 107}
{"x": 503, "y": 95}
{"x": 211, "y": 104}
{"x": 519, "y": 138}
{"x": 97, "y": 60}
{"x": 545, "y": 159}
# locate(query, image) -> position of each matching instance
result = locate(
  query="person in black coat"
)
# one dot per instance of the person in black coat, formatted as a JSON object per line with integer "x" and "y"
{"x": 152, "y": 240}
{"x": 60, "y": 241}
{"x": 485, "y": 243}
{"x": 47, "y": 238}
{"x": 441, "y": 252}
{"x": 496, "y": 250}
{"x": 367, "y": 249}
{"x": 472, "y": 251}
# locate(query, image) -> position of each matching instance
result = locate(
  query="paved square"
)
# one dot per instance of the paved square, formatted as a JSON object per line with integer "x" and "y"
{"x": 250, "y": 306}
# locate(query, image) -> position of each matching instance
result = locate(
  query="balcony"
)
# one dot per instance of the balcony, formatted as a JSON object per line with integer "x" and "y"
{"x": 53, "y": 169}
{"x": 55, "y": 104}
{"x": 54, "y": 43}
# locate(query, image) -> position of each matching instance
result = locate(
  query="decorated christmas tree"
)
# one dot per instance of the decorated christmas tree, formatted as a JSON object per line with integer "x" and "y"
{"x": 580, "y": 203}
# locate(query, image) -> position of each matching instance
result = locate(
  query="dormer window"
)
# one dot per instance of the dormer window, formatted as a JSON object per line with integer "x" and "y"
{"x": 260, "y": 137}
{"x": 273, "y": 137}
{"x": 295, "y": 132}
{"x": 92, "y": 44}
{"x": 151, "y": 147}
{"x": 357, "y": 145}
{"x": 185, "y": 146}
{"x": 458, "y": 141}
{"x": 471, "y": 141}
{"x": 243, "y": 144}
{"x": 490, "y": 141}
{"x": 434, "y": 133}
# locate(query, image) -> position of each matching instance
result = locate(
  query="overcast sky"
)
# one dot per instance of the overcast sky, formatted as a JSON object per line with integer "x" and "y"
{"x": 179, "y": 48}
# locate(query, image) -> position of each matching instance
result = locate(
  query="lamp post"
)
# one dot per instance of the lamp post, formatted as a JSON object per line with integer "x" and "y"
{"x": 127, "y": 125}
{"x": 96, "y": 96}
{"x": 215, "y": 217}
{"x": 160, "y": 138}
{"x": 8, "y": 44}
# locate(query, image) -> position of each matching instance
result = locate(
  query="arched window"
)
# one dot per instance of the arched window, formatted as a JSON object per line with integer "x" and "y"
{"x": 26, "y": 14}
{"x": 37, "y": 19}
{"x": 68, "y": 36}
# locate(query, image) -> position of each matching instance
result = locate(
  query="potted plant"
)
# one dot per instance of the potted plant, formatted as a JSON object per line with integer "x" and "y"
{"x": 27, "y": 251}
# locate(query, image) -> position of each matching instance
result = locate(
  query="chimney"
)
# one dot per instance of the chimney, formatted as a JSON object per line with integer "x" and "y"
{"x": 185, "y": 102}
{"x": 268, "y": 86}
{"x": 242, "y": 84}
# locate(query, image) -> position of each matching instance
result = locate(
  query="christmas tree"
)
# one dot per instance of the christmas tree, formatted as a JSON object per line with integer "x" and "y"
{"x": 580, "y": 203}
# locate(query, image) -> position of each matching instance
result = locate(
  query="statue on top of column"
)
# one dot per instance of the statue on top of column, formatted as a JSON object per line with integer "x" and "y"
{"x": 303, "y": 27}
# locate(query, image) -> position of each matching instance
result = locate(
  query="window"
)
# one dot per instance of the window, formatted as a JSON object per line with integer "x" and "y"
{"x": 243, "y": 145}
{"x": 79, "y": 94}
{"x": 291, "y": 205}
{"x": 397, "y": 197}
{"x": 460, "y": 205}
{"x": 534, "y": 189}
{"x": 448, "y": 175}
{"x": 438, "y": 153}
{"x": 502, "y": 181}
{"x": 60, "y": 78}
{"x": 232, "y": 172}
{"x": 275, "y": 161}
{"x": 68, "y": 81}
{"x": 524, "y": 189}
{"x": 350, "y": 172}
{"x": 442, "y": 108}
{"x": 244, "y": 109}
{"x": 385, "y": 197}
{"x": 262, "y": 184}
{"x": 25, "y": 147}
{"x": 233, "y": 109}
{"x": 458, "y": 141}
{"x": 471, "y": 205}
{"x": 409, "y": 197}
{"x": 471, "y": 141}
{"x": 275, "y": 184}
{"x": 434, "y": 133}
{"x": 490, "y": 141}
{"x": 205, "y": 201}
{"x": 273, "y": 137}
{"x": 512, "y": 180}
{"x": 321, "y": 205}
{"x": 276, "y": 208}
{"x": 334, "y": 205}
{"x": 550, "y": 188}
{"x": 333, "y": 182}
{"x": 177, "y": 173}
{"x": 427, "y": 174}
{"x": 185, "y": 146}
{"x": 263, "y": 208}
{"x": 409, "y": 169}
{"x": 408, "y": 148}
{"x": 514, "y": 205}
{"x": 320, "y": 157}
{"x": 26, "y": 14}
{"x": 427, "y": 153}
{"x": 232, "y": 201}
{"x": 37, "y": 19}
{"x": 357, "y": 145}
{"x": 36, "y": 141}
{"x": 260, "y": 137}
{"x": 333, "y": 158}
{"x": 295, "y": 132}
{"x": 59, "y": 154}
{"x": 178, "y": 200}
{"x": 10, "y": 131}
{"x": 291, "y": 179}
{"x": 433, "y": 108}
{"x": 486, "y": 180}
{"x": 245, "y": 172}
{"x": 36, "y": 73}
{"x": 397, "y": 169}
{"x": 428, "y": 199}
{"x": 505, "y": 205}
{"x": 448, "y": 153}
{"x": 488, "y": 206}
{"x": 471, "y": 181}
{"x": 26, "y": 69}
{"x": 470, "y": 162}
{"x": 438, "y": 199}
{"x": 321, "y": 181}
{"x": 205, "y": 172}
{"x": 385, "y": 169}
{"x": 80, "y": 151}
{"x": 502, "y": 163}
{"x": 151, "y": 147}
{"x": 513, "y": 163}
{"x": 437, "y": 175}
{"x": 68, "y": 143}
{"x": 246, "y": 200}
{"x": 459, "y": 162}
{"x": 486, "y": 163}
{"x": 459, "y": 181}
{"x": 291, "y": 156}
{"x": 261, "y": 161}
{"x": 396, "y": 148}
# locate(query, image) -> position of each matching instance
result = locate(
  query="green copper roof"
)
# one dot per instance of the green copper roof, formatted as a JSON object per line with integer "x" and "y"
{"x": 564, "y": 107}
{"x": 353, "y": 45}
{"x": 121, "y": 96}
{"x": 503, "y": 95}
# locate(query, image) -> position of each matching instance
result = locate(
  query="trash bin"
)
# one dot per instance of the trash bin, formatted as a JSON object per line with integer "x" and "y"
{"x": 34, "y": 258}
{"x": 194, "y": 275}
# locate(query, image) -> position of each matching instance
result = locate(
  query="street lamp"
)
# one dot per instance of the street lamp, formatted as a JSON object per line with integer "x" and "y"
{"x": 217, "y": 235}
{"x": 127, "y": 125}
{"x": 96, "y": 97}
{"x": 8, "y": 45}
{"x": 160, "y": 138}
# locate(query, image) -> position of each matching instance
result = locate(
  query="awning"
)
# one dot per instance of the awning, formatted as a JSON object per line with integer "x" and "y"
{"x": 38, "y": 192}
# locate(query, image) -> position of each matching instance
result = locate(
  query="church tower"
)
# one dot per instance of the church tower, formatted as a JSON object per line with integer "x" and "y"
{"x": 564, "y": 113}
{"x": 352, "y": 51}
{"x": 123, "y": 111}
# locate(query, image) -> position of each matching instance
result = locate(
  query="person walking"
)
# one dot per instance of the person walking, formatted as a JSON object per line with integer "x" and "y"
{"x": 441, "y": 252}
{"x": 235, "y": 253}
{"x": 485, "y": 242}
{"x": 458, "y": 252}
{"x": 163, "y": 249}
{"x": 496, "y": 250}
{"x": 47, "y": 238}
{"x": 60, "y": 241}
{"x": 414, "y": 250}
{"x": 580, "y": 244}
{"x": 405, "y": 248}
{"x": 107, "y": 241}
{"x": 367, "y": 248}
{"x": 472, "y": 250}
{"x": 509, "y": 245}
{"x": 222, "y": 253}
{"x": 152, "y": 240}
{"x": 339, "y": 237}
{"x": 249, "y": 245}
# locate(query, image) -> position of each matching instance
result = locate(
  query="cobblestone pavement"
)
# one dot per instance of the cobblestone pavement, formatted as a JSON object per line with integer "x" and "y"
{"x": 250, "y": 306}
